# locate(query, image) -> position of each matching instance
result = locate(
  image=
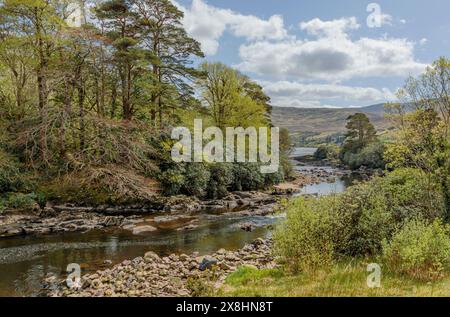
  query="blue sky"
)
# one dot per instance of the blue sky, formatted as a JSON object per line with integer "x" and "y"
{"x": 322, "y": 53}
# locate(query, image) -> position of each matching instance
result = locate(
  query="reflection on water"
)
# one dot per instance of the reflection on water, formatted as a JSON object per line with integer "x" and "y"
{"x": 25, "y": 261}
{"x": 338, "y": 186}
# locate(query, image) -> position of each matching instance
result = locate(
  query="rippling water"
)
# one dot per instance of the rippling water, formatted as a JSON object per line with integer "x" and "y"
{"x": 25, "y": 261}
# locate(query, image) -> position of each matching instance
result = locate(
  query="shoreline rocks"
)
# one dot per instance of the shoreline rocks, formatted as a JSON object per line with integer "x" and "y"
{"x": 70, "y": 218}
{"x": 155, "y": 276}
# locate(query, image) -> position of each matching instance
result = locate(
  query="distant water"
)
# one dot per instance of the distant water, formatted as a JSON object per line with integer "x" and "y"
{"x": 303, "y": 151}
{"x": 339, "y": 185}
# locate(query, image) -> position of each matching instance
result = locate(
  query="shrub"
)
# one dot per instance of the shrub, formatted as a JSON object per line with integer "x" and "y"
{"x": 420, "y": 249}
{"x": 356, "y": 222}
{"x": 271, "y": 179}
{"x": 21, "y": 201}
{"x": 221, "y": 178}
{"x": 101, "y": 185}
{"x": 196, "y": 179}
{"x": 287, "y": 169}
{"x": 378, "y": 207}
{"x": 11, "y": 178}
{"x": 172, "y": 180}
{"x": 306, "y": 239}
{"x": 247, "y": 176}
{"x": 370, "y": 156}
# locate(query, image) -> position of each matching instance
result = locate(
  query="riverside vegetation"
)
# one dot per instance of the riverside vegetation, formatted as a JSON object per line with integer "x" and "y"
{"x": 86, "y": 112}
{"x": 86, "y": 115}
{"x": 400, "y": 221}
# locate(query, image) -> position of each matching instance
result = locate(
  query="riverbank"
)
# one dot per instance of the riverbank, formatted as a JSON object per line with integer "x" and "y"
{"x": 72, "y": 218}
{"x": 173, "y": 275}
{"x": 102, "y": 236}
{"x": 344, "y": 279}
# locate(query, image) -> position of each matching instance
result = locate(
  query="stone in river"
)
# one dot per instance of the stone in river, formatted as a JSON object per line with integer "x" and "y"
{"x": 151, "y": 256}
{"x": 207, "y": 263}
{"x": 143, "y": 229}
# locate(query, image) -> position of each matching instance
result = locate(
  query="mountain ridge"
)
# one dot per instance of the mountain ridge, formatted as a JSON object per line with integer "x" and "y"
{"x": 324, "y": 120}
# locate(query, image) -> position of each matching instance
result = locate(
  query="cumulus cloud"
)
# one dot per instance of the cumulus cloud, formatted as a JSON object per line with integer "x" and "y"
{"x": 207, "y": 24}
{"x": 296, "y": 94}
{"x": 330, "y": 29}
{"x": 332, "y": 55}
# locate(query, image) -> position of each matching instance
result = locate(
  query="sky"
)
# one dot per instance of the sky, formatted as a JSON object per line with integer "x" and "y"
{"x": 322, "y": 53}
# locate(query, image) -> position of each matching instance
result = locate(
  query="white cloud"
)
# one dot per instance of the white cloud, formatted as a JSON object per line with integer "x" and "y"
{"x": 295, "y": 94}
{"x": 207, "y": 24}
{"x": 423, "y": 41}
{"x": 330, "y": 29}
{"x": 332, "y": 56}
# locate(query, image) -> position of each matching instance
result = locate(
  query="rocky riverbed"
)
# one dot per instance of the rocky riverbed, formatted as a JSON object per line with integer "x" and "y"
{"x": 68, "y": 218}
{"x": 153, "y": 276}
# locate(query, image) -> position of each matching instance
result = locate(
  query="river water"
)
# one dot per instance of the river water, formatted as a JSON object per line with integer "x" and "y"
{"x": 26, "y": 261}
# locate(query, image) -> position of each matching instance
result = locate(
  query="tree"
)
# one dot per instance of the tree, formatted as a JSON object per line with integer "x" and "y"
{"x": 226, "y": 95}
{"x": 121, "y": 24}
{"x": 36, "y": 23}
{"x": 360, "y": 132}
{"x": 423, "y": 139}
{"x": 171, "y": 50}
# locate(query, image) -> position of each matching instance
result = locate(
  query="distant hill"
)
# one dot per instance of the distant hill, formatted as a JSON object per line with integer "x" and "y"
{"x": 324, "y": 121}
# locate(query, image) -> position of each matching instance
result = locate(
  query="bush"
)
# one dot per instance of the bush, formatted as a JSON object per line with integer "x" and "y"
{"x": 172, "y": 180}
{"x": 287, "y": 169}
{"x": 356, "y": 222}
{"x": 370, "y": 156}
{"x": 196, "y": 179}
{"x": 21, "y": 201}
{"x": 419, "y": 249}
{"x": 11, "y": 178}
{"x": 271, "y": 179}
{"x": 378, "y": 207}
{"x": 247, "y": 176}
{"x": 101, "y": 185}
{"x": 306, "y": 239}
{"x": 221, "y": 179}
{"x": 327, "y": 152}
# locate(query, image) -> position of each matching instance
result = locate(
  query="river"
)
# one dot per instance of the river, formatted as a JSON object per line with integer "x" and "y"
{"x": 26, "y": 261}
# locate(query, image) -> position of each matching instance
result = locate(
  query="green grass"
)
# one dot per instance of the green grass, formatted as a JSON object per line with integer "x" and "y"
{"x": 344, "y": 279}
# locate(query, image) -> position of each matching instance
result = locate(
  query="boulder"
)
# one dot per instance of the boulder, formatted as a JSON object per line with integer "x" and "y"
{"x": 207, "y": 263}
{"x": 151, "y": 256}
{"x": 143, "y": 229}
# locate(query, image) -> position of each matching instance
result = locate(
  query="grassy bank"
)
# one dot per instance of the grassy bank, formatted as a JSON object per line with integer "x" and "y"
{"x": 343, "y": 279}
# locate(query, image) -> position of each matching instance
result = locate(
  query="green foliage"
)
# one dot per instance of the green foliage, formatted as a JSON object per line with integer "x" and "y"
{"x": 21, "y": 201}
{"x": 247, "y": 176}
{"x": 221, "y": 178}
{"x": 172, "y": 180}
{"x": 328, "y": 152}
{"x": 422, "y": 140}
{"x": 246, "y": 274}
{"x": 370, "y": 156}
{"x": 360, "y": 132}
{"x": 361, "y": 146}
{"x": 419, "y": 249}
{"x": 305, "y": 241}
{"x": 11, "y": 176}
{"x": 355, "y": 223}
{"x": 196, "y": 179}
